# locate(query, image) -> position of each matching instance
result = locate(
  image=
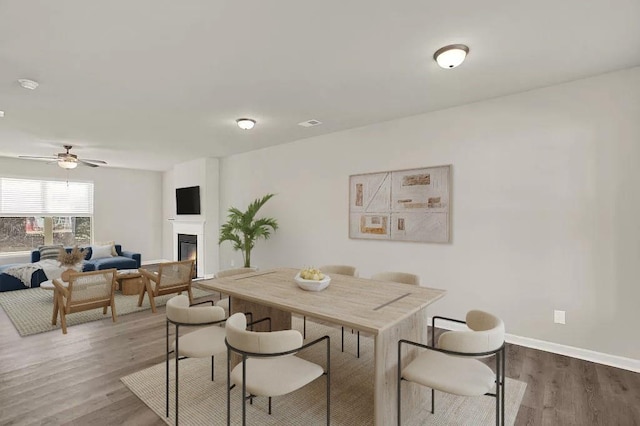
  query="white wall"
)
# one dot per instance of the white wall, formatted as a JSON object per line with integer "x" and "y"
{"x": 126, "y": 203}
{"x": 545, "y": 207}
{"x": 203, "y": 172}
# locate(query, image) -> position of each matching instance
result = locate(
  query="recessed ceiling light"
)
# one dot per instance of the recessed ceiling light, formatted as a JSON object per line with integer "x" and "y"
{"x": 246, "y": 123}
{"x": 1, "y": 114}
{"x": 451, "y": 56}
{"x": 28, "y": 84}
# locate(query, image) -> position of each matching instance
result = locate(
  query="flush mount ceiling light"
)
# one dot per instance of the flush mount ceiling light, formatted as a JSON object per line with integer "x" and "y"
{"x": 451, "y": 56}
{"x": 68, "y": 163}
{"x": 246, "y": 123}
{"x": 1, "y": 114}
{"x": 28, "y": 84}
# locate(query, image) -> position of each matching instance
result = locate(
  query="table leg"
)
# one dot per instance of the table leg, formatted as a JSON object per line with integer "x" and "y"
{"x": 386, "y": 363}
{"x": 280, "y": 320}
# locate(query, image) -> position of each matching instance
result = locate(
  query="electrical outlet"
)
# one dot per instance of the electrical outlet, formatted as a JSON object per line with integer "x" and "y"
{"x": 559, "y": 317}
{"x": 233, "y": 263}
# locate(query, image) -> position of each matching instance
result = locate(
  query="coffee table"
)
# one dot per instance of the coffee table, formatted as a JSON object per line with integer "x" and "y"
{"x": 130, "y": 281}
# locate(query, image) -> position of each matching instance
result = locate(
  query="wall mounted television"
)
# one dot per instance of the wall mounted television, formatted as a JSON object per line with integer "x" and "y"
{"x": 188, "y": 200}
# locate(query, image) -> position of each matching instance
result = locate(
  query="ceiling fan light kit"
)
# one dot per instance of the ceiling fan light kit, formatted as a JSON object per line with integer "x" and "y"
{"x": 68, "y": 163}
{"x": 67, "y": 160}
{"x": 451, "y": 56}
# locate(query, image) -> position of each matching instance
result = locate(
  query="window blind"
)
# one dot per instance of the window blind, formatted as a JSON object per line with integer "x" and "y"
{"x": 28, "y": 197}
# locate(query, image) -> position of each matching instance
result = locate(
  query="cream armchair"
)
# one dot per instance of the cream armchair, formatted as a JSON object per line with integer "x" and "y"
{"x": 172, "y": 277}
{"x": 269, "y": 367}
{"x": 453, "y": 366}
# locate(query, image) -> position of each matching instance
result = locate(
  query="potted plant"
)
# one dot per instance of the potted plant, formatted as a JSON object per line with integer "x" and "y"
{"x": 71, "y": 260}
{"x": 243, "y": 229}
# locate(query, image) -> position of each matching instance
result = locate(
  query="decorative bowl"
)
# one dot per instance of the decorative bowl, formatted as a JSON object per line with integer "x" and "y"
{"x": 312, "y": 285}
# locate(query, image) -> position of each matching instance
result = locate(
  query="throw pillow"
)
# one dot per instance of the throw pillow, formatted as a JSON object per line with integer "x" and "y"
{"x": 101, "y": 252}
{"x": 112, "y": 244}
{"x": 49, "y": 252}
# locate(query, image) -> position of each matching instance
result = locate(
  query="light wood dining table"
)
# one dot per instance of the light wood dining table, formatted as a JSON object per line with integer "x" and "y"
{"x": 388, "y": 311}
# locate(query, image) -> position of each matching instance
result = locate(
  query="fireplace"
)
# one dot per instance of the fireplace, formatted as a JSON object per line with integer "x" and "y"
{"x": 188, "y": 250}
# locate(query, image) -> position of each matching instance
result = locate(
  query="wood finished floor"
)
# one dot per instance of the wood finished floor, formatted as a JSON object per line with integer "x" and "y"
{"x": 53, "y": 379}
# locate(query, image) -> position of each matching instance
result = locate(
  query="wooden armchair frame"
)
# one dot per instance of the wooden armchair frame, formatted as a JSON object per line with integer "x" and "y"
{"x": 64, "y": 302}
{"x": 160, "y": 287}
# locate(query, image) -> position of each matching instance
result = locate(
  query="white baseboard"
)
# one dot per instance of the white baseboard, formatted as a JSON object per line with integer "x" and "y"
{"x": 557, "y": 348}
{"x": 151, "y": 262}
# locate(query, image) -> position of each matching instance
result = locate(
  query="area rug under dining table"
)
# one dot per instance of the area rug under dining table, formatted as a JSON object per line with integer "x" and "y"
{"x": 30, "y": 310}
{"x": 203, "y": 401}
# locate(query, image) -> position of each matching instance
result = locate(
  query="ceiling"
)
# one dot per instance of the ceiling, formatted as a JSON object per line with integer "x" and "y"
{"x": 147, "y": 84}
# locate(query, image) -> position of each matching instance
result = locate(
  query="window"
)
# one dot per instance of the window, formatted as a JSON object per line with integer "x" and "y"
{"x": 37, "y": 212}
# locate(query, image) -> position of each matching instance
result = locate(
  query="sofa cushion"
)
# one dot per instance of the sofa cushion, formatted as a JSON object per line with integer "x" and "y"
{"x": 118, "y": 262}
{"x": 49, "y": 252}
{"x": 101, "y": 252}
{"x": 114, "y": 252}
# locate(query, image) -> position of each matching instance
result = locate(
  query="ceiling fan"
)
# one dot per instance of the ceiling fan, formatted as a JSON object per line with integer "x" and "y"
{"x": 67, "y": 160}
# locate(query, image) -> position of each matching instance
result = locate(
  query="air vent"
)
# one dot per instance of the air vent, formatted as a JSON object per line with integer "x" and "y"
{"x": 310, "y": 123}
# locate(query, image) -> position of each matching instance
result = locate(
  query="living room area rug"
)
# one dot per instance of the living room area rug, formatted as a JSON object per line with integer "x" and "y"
{"x": 30, "y": 310}
{"x": 203, "y": 401}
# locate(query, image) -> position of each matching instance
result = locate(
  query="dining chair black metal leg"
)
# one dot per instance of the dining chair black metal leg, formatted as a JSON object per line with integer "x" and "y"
{"x": 504, "y": 380}
{"x": 177, "y": 376}
{"x": 269, "y": 405}
{"x": 358, "y": 344}
{"x": 212, "y": 366}
{"x": 244, "y": 390}
{"x": 166, "y": 389}
{"x": 433, "y": 401}
{"x": 342, "y": 350}
{"x": 399, "y": 385}
{"x": 228, "y": 387}
{"x": 304, "y": 327}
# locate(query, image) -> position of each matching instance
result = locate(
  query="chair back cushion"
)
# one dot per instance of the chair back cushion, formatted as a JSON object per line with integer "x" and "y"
{"x": 351, "y": 271}
{"x": 260, "y": 342}
{"x": 486, "y": 334}
{"x": 236, "y": 271}
{"x": 91, "y": 286}
{"x": 173, "y": 274}
{"x": 178, "y": 310}
{"x": 397, "y": 277}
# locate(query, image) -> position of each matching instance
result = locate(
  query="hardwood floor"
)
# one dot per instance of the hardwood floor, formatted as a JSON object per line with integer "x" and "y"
{"x": 53, "y": 379}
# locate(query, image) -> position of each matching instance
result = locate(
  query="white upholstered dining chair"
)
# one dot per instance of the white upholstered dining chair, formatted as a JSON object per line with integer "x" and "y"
{"x": 397, "y": 277}
{"x": 225, "y": 303}
{"x": 348, "y": 270}
{"x": 269, "y": 366}
{"x": 204, "y": 342}
{"x": 453, "y": 365}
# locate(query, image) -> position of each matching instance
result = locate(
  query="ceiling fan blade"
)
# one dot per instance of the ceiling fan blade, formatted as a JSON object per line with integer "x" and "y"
{"x": 87, "y": 163}
{"x": 32, "y": 157}
{"x": 93, "y": 161}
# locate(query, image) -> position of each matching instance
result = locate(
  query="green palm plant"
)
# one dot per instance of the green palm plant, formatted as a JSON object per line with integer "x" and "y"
{"x": 243, "y": 229}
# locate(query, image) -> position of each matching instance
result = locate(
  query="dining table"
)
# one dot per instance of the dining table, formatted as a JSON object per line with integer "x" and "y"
{"x": 387, "y": 311}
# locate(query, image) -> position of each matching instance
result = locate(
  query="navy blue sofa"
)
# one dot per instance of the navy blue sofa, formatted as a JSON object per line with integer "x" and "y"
{"x": 124, "y": 260}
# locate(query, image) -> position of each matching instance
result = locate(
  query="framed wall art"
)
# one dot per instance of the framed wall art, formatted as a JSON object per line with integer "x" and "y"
{"x": 401, "y": 205}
